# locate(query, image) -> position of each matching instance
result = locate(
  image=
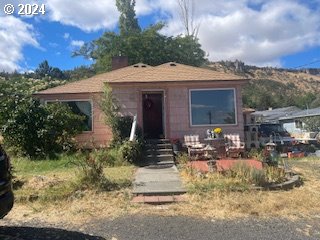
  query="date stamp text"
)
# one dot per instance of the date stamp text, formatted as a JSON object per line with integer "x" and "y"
{"x": 25, "y": 9}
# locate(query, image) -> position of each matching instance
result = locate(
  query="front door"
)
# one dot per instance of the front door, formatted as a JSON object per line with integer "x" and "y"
{"x": 152, "y": 115}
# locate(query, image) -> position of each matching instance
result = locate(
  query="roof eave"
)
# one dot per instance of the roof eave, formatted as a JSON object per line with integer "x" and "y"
{"x": 243, "y": 81}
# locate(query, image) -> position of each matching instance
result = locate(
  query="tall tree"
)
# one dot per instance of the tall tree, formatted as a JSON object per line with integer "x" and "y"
{"x": 187, "y": 8}
{"x": 127, "y": 21}
{"x": 147, "y": 46}
{"x": 43, "y": 69}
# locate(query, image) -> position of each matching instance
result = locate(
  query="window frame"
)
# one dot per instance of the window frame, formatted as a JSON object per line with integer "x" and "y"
{"x": 214, "y": 89}
{"x": 77, "y": 100}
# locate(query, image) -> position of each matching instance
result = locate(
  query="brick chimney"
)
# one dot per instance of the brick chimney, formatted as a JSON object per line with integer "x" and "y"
{"x": 119, "y": 62}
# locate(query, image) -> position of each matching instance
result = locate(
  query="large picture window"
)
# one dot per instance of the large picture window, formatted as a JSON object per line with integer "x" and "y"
{"x": 212, "y": 107}
{"x": 82, "y": 108}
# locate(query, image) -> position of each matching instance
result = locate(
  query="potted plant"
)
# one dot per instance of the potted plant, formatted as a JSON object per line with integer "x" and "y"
{"x": 217, "y": 132}
{"x": 176, "y": 145}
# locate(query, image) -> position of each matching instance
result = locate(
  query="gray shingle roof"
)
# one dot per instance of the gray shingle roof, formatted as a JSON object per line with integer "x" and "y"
{"x": 303, "y": 113}
{"x": 275, "y": 114}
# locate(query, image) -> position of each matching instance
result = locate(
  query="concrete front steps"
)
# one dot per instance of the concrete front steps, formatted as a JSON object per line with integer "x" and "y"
{"x": 159, "y": 152}
{"x": 158, "y": 182}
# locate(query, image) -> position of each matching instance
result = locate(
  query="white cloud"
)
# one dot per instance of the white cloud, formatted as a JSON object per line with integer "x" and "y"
{"x": 77, "y": 43}
{"x": 66, "y": 36}
{"x": 14, "y": 35}
{"x": 255, "y": 31}
{"x": 87, "y": 15}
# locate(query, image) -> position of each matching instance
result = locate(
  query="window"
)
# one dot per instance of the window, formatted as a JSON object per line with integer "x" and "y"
{"x": 83, "y": 108}
{"x": 212, "y": 107}
{"x": 298, "y": 123}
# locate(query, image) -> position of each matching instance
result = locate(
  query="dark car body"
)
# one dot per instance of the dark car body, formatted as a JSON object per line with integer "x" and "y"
{"x": 6, "y": 194}
{"x": 278, "y": 134}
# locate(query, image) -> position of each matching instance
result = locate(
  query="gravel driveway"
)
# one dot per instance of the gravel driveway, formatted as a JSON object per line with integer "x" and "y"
{"x": 160, "y": 228}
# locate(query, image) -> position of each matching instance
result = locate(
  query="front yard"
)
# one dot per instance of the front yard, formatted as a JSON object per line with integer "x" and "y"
{"x": 45, "y": 191}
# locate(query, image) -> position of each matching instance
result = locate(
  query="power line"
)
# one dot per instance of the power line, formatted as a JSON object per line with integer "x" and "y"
{"x": 307, "y": 64}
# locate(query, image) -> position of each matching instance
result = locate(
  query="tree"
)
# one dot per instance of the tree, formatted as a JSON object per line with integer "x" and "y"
{"x": 312, "y": 124}
{"x": 127, "y": 21}
{"x": 187, "y": 8}
{"x": 148, "y": 46}
{"x": 43, "y": 69}
{"x": 40, "y": 130}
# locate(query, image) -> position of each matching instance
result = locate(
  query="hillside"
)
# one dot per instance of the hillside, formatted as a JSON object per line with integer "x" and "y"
{"x": 275, "y": 87}
{"x": 307, "y": 80}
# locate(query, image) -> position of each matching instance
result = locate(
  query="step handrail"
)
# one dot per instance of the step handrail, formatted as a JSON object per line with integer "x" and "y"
{"x": 133, "y": 129}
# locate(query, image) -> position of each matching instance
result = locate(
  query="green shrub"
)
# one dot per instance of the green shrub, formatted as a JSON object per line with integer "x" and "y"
{"x": 131, "y": 151}
{"x": 120, "y": 125}
{"x": 256, "y": 154}
{"x": 182, "y": 159}
{"x": 111, "y": 157}
{"x": 37, "y": 130}
{"x": 91, "y": 174}
{"x": 275, "y": 175}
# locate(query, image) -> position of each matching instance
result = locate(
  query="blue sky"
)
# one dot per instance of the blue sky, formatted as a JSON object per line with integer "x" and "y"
{"x": 282, "y": 33}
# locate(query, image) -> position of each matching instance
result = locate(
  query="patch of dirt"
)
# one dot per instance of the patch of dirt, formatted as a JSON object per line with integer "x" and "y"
{"x": 42, "y": 182}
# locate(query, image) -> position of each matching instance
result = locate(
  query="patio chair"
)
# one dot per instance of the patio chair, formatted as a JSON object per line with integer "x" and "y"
{"x": 234, "y": 146}
{"x": 195, "y": 148}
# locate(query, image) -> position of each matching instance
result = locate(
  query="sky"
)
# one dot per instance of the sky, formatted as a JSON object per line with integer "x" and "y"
{"x": 278, "y": 33}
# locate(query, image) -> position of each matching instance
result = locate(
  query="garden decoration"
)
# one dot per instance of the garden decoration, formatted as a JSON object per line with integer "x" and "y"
{"x": 271, "y": 155}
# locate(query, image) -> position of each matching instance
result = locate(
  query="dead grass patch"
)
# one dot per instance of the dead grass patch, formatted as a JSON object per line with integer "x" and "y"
{"x": 302, "y": 202}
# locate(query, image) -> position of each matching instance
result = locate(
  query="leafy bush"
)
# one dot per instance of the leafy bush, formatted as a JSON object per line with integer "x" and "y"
{"x": 256, "y": 154}
{"x": 37, "y": 130}
{"x": 275, "y": 175}
{"x": 111, "y": 157}
{"x": 182, "y": 159}
{"x": 131, "y": 151}
{"x": 91, "y": 174}
{"x": 120, "y": 125}
{"x": 312, "y": 123}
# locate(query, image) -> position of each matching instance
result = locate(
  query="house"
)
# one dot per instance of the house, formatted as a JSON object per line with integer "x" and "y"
{"x": 273, "y": 115}
{"x": 170, "y": 100}
{"x": 289, "y": 118}
{"x": 294, "y": 123}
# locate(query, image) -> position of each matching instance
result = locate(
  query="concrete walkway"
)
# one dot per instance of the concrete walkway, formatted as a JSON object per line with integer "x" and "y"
{"x": 158, "y": 180}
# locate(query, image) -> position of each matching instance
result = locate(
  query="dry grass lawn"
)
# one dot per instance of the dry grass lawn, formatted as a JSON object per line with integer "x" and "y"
{"x": 83, "y": 206}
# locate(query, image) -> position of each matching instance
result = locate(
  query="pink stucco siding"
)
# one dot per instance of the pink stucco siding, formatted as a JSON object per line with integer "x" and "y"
{"x": 175, "y": 108}
{"x": 180, "y": 122}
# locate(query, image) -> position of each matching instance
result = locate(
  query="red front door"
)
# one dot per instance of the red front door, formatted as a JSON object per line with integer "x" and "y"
{"x": 152, "y": 115}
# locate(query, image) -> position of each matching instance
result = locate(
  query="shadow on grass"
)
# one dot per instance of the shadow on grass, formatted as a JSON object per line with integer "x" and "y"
{"x": 32, "y": 233}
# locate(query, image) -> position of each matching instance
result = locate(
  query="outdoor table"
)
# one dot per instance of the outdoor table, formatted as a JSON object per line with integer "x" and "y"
{"x": 219, "y": 145}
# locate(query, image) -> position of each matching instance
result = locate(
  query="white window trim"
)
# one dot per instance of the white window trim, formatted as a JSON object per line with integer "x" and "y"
{"x": 211, "y": 125}
{"x": 77, "y": 100}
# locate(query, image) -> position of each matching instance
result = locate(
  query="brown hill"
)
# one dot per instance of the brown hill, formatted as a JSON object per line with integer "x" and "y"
{"x": 305, "y": 80}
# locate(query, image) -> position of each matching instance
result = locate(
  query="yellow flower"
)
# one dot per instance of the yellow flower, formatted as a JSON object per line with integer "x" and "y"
{"x": 217, "y": 130}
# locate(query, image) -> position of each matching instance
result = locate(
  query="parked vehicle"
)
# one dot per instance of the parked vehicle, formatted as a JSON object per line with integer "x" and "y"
{"x": 278, "y": 134}
{"x": 6, "y": 194}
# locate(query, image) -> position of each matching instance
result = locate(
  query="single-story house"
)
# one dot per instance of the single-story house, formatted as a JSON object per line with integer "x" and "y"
{"x": 170, "y": 100}
{"x": 273, "y": 115}
{"x": 294, "y": 123}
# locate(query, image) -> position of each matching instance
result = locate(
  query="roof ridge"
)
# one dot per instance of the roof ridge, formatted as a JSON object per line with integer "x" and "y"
{"x": 132, "y": 73}
{"x": 95, "y": 77}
